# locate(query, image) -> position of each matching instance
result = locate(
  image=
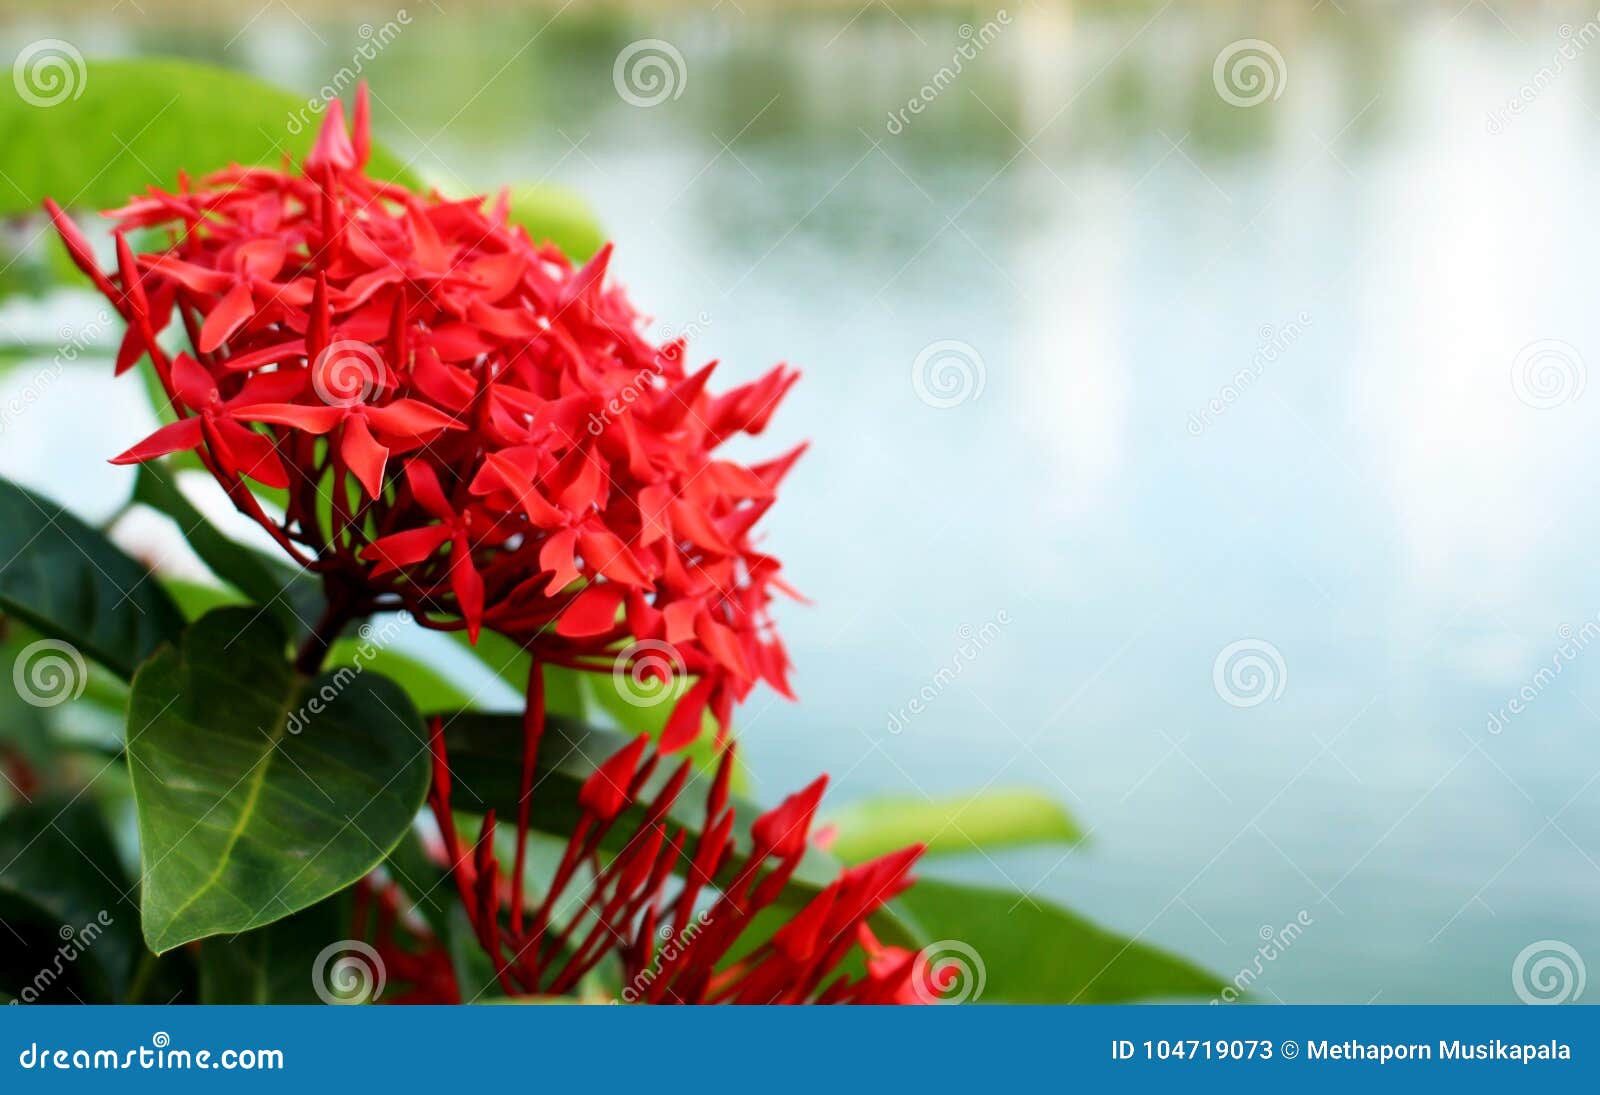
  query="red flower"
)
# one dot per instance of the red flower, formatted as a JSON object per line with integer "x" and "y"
{"x": 559, "y": 481}
{"x": 467, "y": 426}
{"x": 673, "y": 945}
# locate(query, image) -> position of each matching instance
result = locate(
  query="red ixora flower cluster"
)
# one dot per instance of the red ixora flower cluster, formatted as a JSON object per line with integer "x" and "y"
{"x": 462, "y": 422}
{"x": 465, "y": 425}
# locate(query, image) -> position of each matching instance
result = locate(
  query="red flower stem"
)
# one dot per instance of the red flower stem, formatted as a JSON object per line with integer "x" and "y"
{"x": 335, "y": 614}
{"x": 532, "y": 731}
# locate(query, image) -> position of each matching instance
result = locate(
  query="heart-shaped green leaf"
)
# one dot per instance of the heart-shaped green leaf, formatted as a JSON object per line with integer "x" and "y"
{"x": 279, "y": 963}
{"x": 69, "y": 582}
{"x": 260, "y": 792}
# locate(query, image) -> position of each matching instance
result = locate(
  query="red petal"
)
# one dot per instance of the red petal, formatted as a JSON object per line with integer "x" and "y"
{"x": 261, "y": 258}
{"x": 363, "y": 455}
{"x": 782, "y": 830}
{"x": 467, "y": 584}
{"x": 404, "y": 548}
{"x": 680, "y": 621}
{"x": 198, "y": 278}
{"x": 192, "y": 383}
{"x": 229, "y": 314}
{"x": 410, "y": 419}
{"x": 592, "y": 612}
{"x": 605, "y": 552}
{"x": 333, "y": 149}
{"x": 78, "y": 248}
{"x": 313, "y": 420}
{"x": 361, "y": 126}
{"x": 557, "y": 556}
{"x": 179, "y": 436}
{"x": 425, "y": 488}
{"x": 605, "y": 792}
{"x": 278, "y": 386}
{"x": 722, "y": 644}
{"x": 252, "y": 454}
{"x": 686, "y": 722}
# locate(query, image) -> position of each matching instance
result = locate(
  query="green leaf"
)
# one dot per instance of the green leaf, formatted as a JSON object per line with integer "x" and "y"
{"x": 260, "y": 793}
{"x": 61, "y": 892}
{"x": 985, "y": 821}
{"x": 69, "y": 582}
{"x": 560, "y": 216}
{"x": 485, "y": 763}
{"x": 136, "y": 123}
{"x": 1033, "y": 952}
{"x": 277, "y": 964}
{"x": 293, "y": 596}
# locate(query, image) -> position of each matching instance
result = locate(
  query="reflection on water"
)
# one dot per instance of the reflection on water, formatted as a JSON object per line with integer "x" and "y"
{"x": 1247, "y": 374}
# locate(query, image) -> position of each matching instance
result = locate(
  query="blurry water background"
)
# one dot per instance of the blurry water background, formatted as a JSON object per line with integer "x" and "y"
{"x": 1354, "y": 270}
